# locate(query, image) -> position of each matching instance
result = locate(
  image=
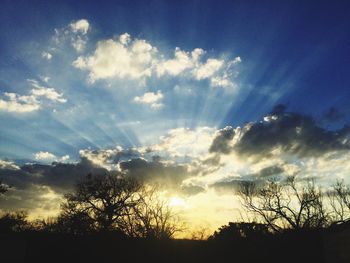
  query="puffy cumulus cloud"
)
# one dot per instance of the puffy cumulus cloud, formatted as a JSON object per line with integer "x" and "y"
{"x": 292, "y": 133}
{"x": 150, "y": 98}
{"x": 183, "y": 144}
{"x": 13, "y": 102}
{"x": 282, "y": 144}
{"x": 282, "y": 132}
{"x": 80, "y": 26}
{"x": 208, "y": 69}
{"x": 118, "y": 59}
{"x": 8, "y": 165}
{"x": 50, "y": 157}
{"x": 110, "y": 158}
{"x": 136, "y": 59}
{"x": 182, "y": 60}
{"x": 44, "y": 156}
{"x": 219, "y": 72}
{"x": 177, "y": 156}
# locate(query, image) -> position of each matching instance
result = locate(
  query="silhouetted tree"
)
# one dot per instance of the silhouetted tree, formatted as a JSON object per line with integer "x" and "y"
{"x": 200, "y": 233}
{"x": 339, "y": 199}
{"x": 286, "y": 205}
{"x": 105, "y": 200}
{"x": 14, "y": 221}
{"x": 151, "y": 217}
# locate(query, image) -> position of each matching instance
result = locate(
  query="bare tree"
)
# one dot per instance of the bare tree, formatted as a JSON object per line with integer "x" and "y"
{"x": 200, "y": 233}
{"x": 115, "y": 202}
{"x": 285, "y": 205}
{"x": 152, "y": 217}
{"x": 106, "y": 200}
{"x": 339, "y": 199}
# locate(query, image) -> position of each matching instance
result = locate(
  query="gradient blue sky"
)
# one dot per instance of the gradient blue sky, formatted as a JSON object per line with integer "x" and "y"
{"x": 292, "y": 52}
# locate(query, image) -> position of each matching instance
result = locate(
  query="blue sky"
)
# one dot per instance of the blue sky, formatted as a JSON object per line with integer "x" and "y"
{"x": 195, "y": 82}
{"x": 292, "y": 53}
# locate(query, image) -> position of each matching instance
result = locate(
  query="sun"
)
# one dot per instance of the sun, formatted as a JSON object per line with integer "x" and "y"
{"x": 177, "y": 202}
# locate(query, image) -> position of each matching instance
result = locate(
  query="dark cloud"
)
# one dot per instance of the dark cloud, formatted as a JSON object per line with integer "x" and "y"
{"x": 291, "y": 132}
{"x": 59, "y": 176}
{"x": 155, "y": 171}
{"x": 231, "y": 185}
{"x": 33, "y": 196}
{"x": 192, "y": 189}
{"x": 221, "y": 141}
{"x": 270, "y": 171}
{"x": 31, "y": 182}
{"x": 111, "y": 156}
{"x": 294, "y": 133}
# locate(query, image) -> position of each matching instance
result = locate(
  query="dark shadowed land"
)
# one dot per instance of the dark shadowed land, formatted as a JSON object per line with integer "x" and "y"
{"x": 326, "y": 246}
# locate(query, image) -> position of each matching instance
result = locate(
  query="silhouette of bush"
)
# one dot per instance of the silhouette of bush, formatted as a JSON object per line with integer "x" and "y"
{"x": 14, "y": 222}
{"x": 241, "y": 230}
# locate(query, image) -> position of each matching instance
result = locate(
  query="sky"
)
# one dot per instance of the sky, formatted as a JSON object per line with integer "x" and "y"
{"x": 195, "y": 95}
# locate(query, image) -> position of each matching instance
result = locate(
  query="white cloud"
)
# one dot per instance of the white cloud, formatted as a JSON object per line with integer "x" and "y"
{"x": 115, "y": 59}
{"x": 124, "y": 39}
{"x": 208, "y": 69}
{"x": 136, "y": 59}
{"x": 48, "y": 93}
{"x": 237, "y": 60}
{"x": 185, "y": 142}
{"x": 80, "y": 26}
{"x": 13, "y": 102}
{"x": 45, "y": 156}
{"x": 8, "y": 165}
{"x": 18, "y": 103}
{"x": 64, "y": 158}
{"x": 222, "y": 81}
{"x": 182, "y": 60}
{"x": 46, "y": 55}
{"x": 50, "y": 157}
{"x": 150, "y": 98}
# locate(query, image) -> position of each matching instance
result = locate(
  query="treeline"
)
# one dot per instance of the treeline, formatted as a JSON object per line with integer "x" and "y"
{"x": 105, "y": 203}
{"x": 286, "y": 220}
